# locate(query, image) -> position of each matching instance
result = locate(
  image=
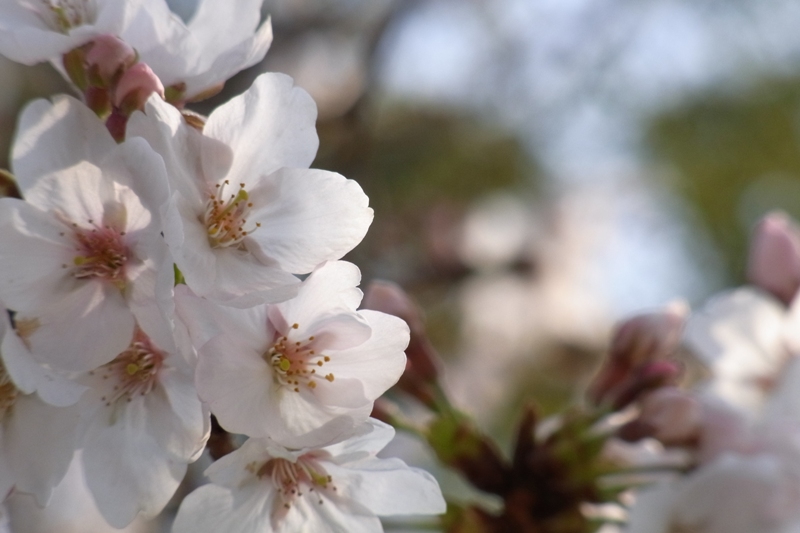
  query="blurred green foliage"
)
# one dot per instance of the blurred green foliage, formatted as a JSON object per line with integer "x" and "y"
{"x": 737, "y": 155}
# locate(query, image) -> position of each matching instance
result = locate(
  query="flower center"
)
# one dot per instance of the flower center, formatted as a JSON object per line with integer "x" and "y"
{"x": 102, "y": 254}
{"x": 295, "y": 363}
{"x": 63, "y": 15}
{"x": 294, "y": 479}
{"x": 226, "y": 216}
{"x": 134, "y": 372}
{"x": 8, "y": 391}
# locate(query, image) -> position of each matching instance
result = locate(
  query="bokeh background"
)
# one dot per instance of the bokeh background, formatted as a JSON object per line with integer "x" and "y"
{"x": 539, "y": 169}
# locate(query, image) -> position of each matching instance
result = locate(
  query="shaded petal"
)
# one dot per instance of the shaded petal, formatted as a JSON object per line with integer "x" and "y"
{"x": 55, "y": 136}
{"x": 210, "y": 509}
{"x": 182, "y": 148}
{"x": 39, "y": 441}
{"x": 206, "y": 320}
{"x": 95, "y": 319}
{"x": 32, "y": 276}
{"x": 237, "y": 384}
{"x": 389, "y": 487}
{"x": 126, "y": 470}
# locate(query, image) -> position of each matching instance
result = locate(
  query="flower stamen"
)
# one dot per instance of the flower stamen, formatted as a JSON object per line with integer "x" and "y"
{"x": 296, "y": 363}
{"x": 225, "y": 218}
{"x": 102, "y": 254}
{"x": 134, "y": 371}
{"x": 293, "y": 479}
{"x": 63, "y": 15}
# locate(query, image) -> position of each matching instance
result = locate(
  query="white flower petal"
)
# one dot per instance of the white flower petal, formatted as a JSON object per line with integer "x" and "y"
{"x": 380, "y": 361}
{"x": 270, "y": 126}
{"x": 210, "y": 509}
{"x": 389, "y": 487}
{"x": 332, "y": 286}
{"x": 307, "y": 217}
{"x": 54, "y": 136}
{"x": 38, "y": 442}
{"x": 237, "y": 384}
{"x": 126, "y": 470}
{"x": 32, "y": 276}
{"x": 95, "y": 319}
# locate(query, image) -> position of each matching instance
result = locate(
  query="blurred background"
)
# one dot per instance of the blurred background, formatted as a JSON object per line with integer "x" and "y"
{"x": 538, "y": 169}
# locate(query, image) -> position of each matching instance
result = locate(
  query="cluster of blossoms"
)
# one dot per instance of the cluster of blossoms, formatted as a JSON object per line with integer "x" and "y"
{"x": 736, "y": 431}
{"x": 125, "y": 194}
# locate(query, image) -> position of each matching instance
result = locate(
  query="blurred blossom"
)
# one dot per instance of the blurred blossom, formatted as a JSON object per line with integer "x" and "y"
{"x": 774, "y": 259}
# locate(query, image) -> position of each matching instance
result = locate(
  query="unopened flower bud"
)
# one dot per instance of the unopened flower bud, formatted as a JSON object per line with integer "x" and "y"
{"x": 636, "y": 343}
{"x": 646, "y": 378}
{"x": 108, "y": 56}
{"x": 135, "y": 87}
{"x": 774, "y": 261}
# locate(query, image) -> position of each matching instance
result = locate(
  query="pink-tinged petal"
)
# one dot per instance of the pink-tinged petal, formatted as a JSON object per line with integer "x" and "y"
{"x": 39, "y": 441}
{"x": 331, "y": 287}
{"x": 55, "y": 136}
{"x": 334, "y": 332}
{"x": 380, "y": 361}
{"x": 210, "y": 509}
{"x": 206, "y": 320}
{"x": 34, "y": 250}
{"x": 231, "y": 470}
{"x": 270, "y": 126}
{"x": 307, "y": 217}
{"x": 237, "y": 384}
{"x": 774, "y": 258}
{"x": 389, "y": 487}
{"x": 96, "y": 321}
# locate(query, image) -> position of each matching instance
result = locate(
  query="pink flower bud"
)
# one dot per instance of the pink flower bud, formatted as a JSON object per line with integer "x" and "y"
{"x": 636, "y": 345}
{"x": 109, "y": 55}
{"x": 774, "y": 263}
{"x": 135, "y": 87}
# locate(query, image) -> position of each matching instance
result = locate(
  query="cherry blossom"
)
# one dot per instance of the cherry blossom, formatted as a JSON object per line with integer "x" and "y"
{"x": 746, "y": 338}
{"x": 197, "y": 57}
{"x": 142, "y": 421}
{"x": 246, "y": 212}
{"x": 301, "y": 370}
{"x": 32, "y": 31}
{"x": 341, "y": 487}
{"x": 86, "y": 240}
{"x": 37, "y": 439}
